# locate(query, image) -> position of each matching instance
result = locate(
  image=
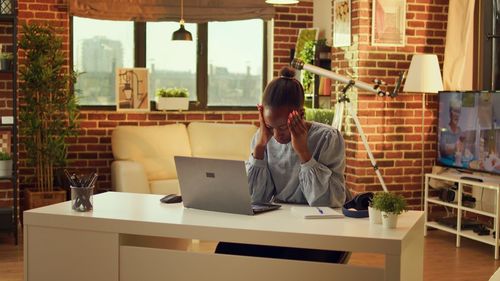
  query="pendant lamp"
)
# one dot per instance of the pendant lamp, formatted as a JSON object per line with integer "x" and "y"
{"x": 182, "y": 33}
{"x": 282, "y": 2}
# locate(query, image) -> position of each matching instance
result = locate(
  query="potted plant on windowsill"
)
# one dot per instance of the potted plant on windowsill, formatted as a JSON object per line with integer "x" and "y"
{"x": 48, "y": 112}
{"x": 172, "y": 99}
{"x": 391, "y": 205}
{"x": 5, "y": 165}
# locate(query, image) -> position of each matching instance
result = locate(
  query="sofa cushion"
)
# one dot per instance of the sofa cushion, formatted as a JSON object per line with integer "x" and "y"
{"x": 165, "y": 186}
{"x": 152, "y": 146}
{"x": 222, "y": 141}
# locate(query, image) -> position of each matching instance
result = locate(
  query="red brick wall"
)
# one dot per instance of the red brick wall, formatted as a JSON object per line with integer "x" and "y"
{"x": 392, "y": 126}
{"x": 287, "y": 22}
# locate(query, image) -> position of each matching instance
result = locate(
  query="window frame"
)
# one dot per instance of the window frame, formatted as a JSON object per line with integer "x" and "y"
{"x": 201, "y": 67}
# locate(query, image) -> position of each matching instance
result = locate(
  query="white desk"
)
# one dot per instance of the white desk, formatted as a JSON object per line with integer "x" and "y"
{"x": 61, "y": 244}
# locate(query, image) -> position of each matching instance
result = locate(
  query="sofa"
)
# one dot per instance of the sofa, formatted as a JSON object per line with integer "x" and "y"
{"x": 144, "y": 156}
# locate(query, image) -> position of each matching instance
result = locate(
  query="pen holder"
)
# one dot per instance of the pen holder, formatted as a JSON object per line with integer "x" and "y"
{"x": 82, "y": 198}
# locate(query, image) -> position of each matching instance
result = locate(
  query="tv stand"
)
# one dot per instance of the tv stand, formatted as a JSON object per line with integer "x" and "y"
{"x": 491, "y": 210}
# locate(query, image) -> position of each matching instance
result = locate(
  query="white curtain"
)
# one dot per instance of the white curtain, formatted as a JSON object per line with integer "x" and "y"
{"x": 195, "y": 11}
{"x": 458, "y": 54}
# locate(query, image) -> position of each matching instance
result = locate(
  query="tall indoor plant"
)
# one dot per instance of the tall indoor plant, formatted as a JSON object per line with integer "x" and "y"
{"x": 48, "y": 110}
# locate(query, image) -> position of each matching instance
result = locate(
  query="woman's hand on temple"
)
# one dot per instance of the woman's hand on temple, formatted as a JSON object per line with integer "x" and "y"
{"x": 265, "y": 135}
{"x": 298, "y": 130}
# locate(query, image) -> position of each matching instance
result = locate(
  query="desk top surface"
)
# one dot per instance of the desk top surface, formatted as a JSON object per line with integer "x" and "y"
{"x": 144, "y": 214}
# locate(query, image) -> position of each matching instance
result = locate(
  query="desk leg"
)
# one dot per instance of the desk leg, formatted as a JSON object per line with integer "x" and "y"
{"x": 409, "y": 265}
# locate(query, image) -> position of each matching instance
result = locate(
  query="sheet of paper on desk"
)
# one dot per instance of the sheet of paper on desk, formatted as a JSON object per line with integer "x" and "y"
{"x": 307, "y": 212}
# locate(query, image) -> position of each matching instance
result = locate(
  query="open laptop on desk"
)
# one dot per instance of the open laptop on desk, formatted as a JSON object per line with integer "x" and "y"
{"x": 217, "y": 185}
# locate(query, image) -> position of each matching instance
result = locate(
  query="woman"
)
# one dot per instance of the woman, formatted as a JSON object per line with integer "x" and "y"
{"x": 293, "y": 161}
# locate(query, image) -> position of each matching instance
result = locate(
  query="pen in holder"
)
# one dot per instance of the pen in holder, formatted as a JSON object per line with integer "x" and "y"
{"x": 82, "y": 191}
{"x": 82, "y": 198}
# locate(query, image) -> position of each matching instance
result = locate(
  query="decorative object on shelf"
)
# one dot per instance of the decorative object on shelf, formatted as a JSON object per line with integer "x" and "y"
{"x": 391, "y": 205}
{"x": 6, "y": 7}
{"x": 341, "y": 23}
{"x": 307, "y": 55}
{"x": 389, "y": 22}
{"x": 6, "y": 61}
{"x": 5, "y": 165}
{"x": 182, "y": 34}
{"x": 132, "y": 89}
{"x": 49, "y": 113}
{"x": 172, "y": 99}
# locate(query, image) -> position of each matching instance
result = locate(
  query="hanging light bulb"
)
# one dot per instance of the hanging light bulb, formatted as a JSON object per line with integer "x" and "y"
{"x": 282, "y": 2}
{"x": 182, "y": 33}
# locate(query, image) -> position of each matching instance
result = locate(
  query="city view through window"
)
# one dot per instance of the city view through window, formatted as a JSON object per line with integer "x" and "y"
{"x": 235, "y": 58}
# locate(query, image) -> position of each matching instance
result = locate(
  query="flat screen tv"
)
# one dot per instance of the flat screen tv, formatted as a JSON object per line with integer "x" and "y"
{"x": 469, "y": 131}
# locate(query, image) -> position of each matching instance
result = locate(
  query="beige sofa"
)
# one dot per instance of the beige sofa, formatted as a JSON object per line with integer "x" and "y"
{"x": 144, "y": 156}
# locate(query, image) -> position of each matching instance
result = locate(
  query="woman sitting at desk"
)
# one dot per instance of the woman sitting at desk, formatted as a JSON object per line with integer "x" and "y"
{"x": 293, "y": 161}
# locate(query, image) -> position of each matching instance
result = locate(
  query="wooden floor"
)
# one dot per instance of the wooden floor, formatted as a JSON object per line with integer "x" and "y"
{"x": 473, "y": 261}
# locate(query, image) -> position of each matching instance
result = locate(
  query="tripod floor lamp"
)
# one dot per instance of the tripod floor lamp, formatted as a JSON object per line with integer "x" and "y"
{"x": 344, "y": 101}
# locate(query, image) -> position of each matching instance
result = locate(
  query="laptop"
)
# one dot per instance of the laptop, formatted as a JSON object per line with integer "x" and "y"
{"x": 217, "y": 185}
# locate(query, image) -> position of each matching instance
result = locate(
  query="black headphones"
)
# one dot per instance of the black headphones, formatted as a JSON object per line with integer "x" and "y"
{"x": 360, "y": 205}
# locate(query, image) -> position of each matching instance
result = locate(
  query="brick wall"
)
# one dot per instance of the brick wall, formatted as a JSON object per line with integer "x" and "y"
{"x": 287, "y": 22}
{"x": 392, "y": 126}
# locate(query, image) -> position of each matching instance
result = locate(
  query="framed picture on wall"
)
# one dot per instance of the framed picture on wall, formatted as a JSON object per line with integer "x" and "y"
{"x": 305, "y": 35}
{"x": 388, "y": 22}
{"x": 341, "y": 23}
{"x": 131, "y": 90}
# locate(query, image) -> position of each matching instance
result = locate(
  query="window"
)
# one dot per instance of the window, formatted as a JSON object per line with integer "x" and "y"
{"x": 235, "y": 66}
{"x": 222, "y": 67}
{"x": 99, "y": 47}
{"x": 171, "y": 64}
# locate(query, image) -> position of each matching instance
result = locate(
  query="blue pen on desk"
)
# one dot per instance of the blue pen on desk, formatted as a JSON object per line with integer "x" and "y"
{"x": 319, "y": 210}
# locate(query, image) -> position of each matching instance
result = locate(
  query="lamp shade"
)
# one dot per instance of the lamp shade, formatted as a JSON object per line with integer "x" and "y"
{"x": 282, "y": 2}
{"x": 424, "y": 75}
{"x": 182, "y": 34}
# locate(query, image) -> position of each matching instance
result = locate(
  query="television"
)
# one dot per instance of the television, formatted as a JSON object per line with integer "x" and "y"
{"x": 469, "y": 130}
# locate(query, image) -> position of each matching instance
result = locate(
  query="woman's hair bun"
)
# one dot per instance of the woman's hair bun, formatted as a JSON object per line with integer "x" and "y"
{"x": 287, "y": 72}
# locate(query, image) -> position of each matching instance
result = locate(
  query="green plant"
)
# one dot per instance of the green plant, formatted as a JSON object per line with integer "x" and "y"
{"x": 324, "y": 116}
{"x": 172, "y": 93}
{"x": 4, "y": 156}
{"x": 6, "y": 56}
{"x": 307, "y": 56}
{"x": 389, "y": 202}
{"x": 48, "y": 111}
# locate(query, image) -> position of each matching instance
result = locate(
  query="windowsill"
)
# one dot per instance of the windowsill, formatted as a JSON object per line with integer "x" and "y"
{"x": 207, "y": 110}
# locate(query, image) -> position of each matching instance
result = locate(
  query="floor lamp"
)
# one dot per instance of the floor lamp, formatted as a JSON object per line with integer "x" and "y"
{"x": 424, "y": 76}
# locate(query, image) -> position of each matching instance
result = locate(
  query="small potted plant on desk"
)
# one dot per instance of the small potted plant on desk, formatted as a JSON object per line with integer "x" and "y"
{"x": 391, "y": 205}
{"x": 172, "y": 99}
{"x": 5, "y": 165}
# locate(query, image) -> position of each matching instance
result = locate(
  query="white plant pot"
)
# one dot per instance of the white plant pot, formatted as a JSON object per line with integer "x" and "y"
{"x": 375, "y": 215}
{"x": 172, "y": 103}
{"x": 389, "y": 220}
{"x": 5, "y": 168}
